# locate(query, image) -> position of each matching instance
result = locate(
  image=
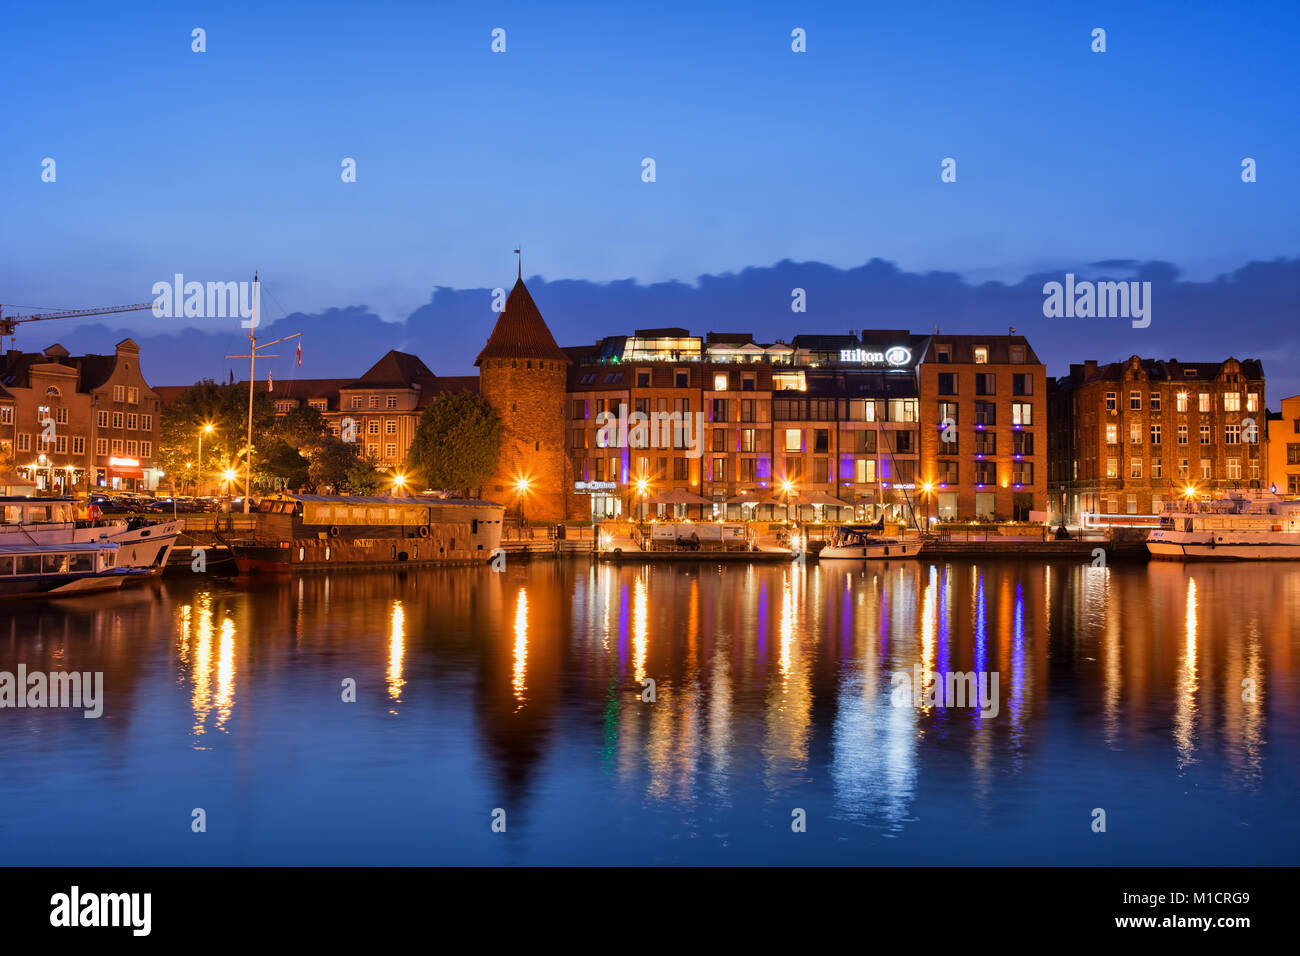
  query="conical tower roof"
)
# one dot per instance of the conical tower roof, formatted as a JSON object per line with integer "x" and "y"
{"x": 521, "y": 332}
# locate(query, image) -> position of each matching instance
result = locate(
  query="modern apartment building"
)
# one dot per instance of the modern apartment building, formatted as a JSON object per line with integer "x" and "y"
{"x": 1282, "y": 449}
{"x": 1129, "y": 436}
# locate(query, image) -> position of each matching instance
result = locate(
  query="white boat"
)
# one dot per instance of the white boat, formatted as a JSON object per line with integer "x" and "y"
{"x": 857, "y": 543}
{"x": 1245, "y": 526}
{"x": 52, "y": 521}
{"x": 55, "y": 570}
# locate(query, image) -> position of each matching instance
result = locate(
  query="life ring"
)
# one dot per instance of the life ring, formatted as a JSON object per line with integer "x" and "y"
{"x": 424, "y": 531}
{"x": 334, "y": 531}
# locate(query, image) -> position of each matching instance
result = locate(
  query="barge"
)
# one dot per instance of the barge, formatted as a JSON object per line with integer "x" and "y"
{"x": 331, "y": 532}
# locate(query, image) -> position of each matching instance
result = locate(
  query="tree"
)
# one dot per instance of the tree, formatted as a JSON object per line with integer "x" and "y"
{"x": 331, "y": 460}
{"x": 364, "y": 478}
{"x": 457, "y": 443}
{"x": 225, "y": 407}
{"x": 302, "y": 428}
{"x": 282, "y": 461}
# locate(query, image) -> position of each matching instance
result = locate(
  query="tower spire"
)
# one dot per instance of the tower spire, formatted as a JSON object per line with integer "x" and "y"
{"x": 521, "y": 264}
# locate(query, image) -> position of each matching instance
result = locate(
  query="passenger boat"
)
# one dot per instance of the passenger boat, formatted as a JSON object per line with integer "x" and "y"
{"x": 51, "y": 570}
{"x": 857, "y": 542}
{"x": 317, "y": 532}
{"x": 145, "y": 545}
{"x": 1244, "y": 526}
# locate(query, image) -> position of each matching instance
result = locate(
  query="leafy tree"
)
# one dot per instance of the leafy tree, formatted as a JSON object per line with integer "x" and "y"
{"x": 225, "y": 407}
{"x": 282, "y": 461}
{"x": 457, "y": 443}
{"x": 302, "y": 428}
{"x": 364, "y": 478}
{"x": 331, "y": 461}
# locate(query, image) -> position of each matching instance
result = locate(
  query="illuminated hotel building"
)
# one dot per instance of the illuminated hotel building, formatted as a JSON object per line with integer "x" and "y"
{"x": 853, "y": 427}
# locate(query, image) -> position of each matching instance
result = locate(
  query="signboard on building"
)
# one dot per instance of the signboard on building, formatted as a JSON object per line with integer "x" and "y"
{"x": 594, "y": 487}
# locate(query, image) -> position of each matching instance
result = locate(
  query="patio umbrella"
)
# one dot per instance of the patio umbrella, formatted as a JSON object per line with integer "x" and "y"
{"x": 679, "y": 496}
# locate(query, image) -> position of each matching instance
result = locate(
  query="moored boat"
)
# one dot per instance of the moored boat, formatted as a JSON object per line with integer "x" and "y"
{"x": 145, "y": 545}
{"x": 858, "y": 543}
{"x": 1244, "y": 526}
{"x": 50, "y": 570}
{"x": 317, "y": 532}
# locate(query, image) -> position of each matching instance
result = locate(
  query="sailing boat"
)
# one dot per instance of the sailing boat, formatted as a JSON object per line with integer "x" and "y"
{"x": 864, "y": 543}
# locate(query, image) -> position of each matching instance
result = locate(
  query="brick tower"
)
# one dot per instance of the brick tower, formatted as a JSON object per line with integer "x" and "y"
{"x": 523, "y": 375}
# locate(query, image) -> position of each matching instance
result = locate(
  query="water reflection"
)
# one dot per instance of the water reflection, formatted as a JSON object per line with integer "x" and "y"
{"x": 773, "y": 685}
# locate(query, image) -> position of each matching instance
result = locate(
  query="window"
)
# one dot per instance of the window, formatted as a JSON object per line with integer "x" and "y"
{"x": 115, "y": 446}
{"x": 1022, "y": 413}
{"x": 719, "y": 381}
{"x": 1112, "y": 467}
{"x": 948, "y": 472}
{"x": 119, "y": 392}
{"x": 390, "y": 450}
{"x": 61, "y": 444}
{"x": 986, "y": 443}
{"x": 948, "y": 414}
{"x": 719, "y": 469}
{"x": 356, "y": 400}
{"x": 986, "y": 413}
{"x": 1135, "y": 401}
{"x": 943, "y": 353}
{"x": 133, "y": 396}
{"x": 1180, "y": 402}
{"x": 1182, "y": 434}
{"x": 1234, "y": 468}
{"x": 1155, "y": 434}
{"x": 1022, "y": 473}
{"x": 390, "y": 401}
{"x": 1111, "y": 402}
{"x": 1022, "y": 385}
{"x": 1232, "y": 401}
{"x": 821, "y": 471}
{"x": 1252, "y": 402}
{"x": 1022, "y": 443}
{"x": 101, "y": 446}
{"x": 746, "y": 409}
{"x": 1206, "y": 472}
{"x": 1112, "y": 434}
{"x": 902, "y": 409}
{"x": 1293, "y": 454}
{"x": 643, "y": 378}
{"x": 1131, "y": 504}
{"x": 146, "y": 423}
{"x": 390, "y": 427}
{"x": 1232, "y": 435}
{"x": 1018, "y": 358}
{"x": 747, "y": 442}
{"x": 578, "y": 410}
{"x": 372, "y": 427}
{"x": 986, "y": 473}
{"x": 132, "y": 447}
{"x": 78, "y": 445}
{"x": 947, "y": 383}
{"x": 821, "y": 440}
{"x": 1135, "y": 468}
{"x": 681, "y": 378}
{"x": 1182, "y": 468}
{"x": 793, "y": 440}
{"x": 985, "y": 383}
{"x": 320, "y": 404}
{"x": 1155, "y": 401}
{"x": 146, "y": 449}
{"x": 1293, "y": 485}
{"x": 681, "y": 469}
{"x": 1135, "y": 433}
{"x": 132, "y": 420}
{"x": 719, "y": 440}
{"x": 641, "y": 405}
{"x": 747, "y": 382}
{"x": 117, "y": 419}
{"x": 1205, "y": 434}
{"x": 981, "y": 355}
{"x": 720, "y": 410}
{"x": 1203, "y": 401}
{"x": 24, "y": 441}
{"x": 7, "y": 415}
{"x": 372, "y": 451}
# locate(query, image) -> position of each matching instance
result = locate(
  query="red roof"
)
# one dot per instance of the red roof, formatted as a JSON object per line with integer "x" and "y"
{"x": 521, "y": 332}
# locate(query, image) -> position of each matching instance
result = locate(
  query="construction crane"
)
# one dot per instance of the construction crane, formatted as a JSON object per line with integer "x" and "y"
{"x": 9, "y": 324}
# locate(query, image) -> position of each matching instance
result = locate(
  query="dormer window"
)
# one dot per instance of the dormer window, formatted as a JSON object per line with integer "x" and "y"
{"x": 981, "y": 355}
{"x": 943, "y": 353}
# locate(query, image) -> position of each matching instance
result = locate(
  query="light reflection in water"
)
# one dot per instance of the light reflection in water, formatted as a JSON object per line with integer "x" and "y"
{"x": 396, "y": 651}
{"x": 520, "y": 672}
{"x": 1185, "y": 716}
{"x": 640, "y": 630}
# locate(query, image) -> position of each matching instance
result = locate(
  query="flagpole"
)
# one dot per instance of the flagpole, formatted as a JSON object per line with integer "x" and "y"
{"x": 252, "y": 361}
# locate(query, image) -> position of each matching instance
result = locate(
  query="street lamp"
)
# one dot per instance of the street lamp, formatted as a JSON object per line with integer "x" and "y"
{"x": 642, "y": 485}
{"x": 926, "y": 490}
{"x": 399, "y": 482}
{"x": 787, "y": 486}
{"x": 521, "y": 489}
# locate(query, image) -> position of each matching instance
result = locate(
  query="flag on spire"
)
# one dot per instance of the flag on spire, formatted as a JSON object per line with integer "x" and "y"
{"x": 270, "y": 385}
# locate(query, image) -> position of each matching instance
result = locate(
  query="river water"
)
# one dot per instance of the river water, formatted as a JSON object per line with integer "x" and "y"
{"x": 1162, "y": 700}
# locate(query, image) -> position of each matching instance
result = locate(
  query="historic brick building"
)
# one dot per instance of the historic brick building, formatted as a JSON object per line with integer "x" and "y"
{"x": 522, "y": 374}
{"x": 73, "y": 422}
{"x": 1282, "y": 449}
{"x": 1129, "y": 436}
